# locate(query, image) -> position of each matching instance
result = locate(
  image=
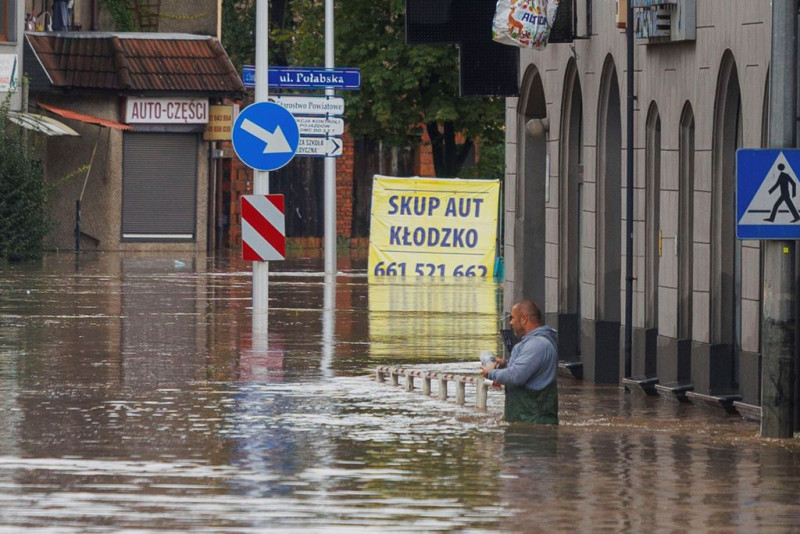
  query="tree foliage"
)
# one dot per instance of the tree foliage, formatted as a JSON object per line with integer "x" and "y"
{"x": 404, "y": 89}
{"x": 238, "y": 31}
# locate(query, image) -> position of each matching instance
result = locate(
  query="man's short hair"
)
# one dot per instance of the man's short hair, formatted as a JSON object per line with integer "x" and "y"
{"x": 529, "y": 308}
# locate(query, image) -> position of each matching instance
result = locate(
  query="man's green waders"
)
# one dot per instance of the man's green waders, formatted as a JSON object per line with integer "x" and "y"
{"x": 530, "y": 406}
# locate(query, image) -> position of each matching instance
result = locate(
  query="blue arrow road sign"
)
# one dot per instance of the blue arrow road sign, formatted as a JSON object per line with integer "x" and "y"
{"x": 265, "y": 136}
{"x": 305, "y": 78}
{"x": 767, "y": 194}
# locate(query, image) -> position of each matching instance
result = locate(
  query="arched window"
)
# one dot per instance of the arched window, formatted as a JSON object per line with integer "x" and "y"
{"x": 529, "y": 221}
{"x": 685, "y": 222}
{"x": 726, "y": 268}
{"x": 609, "y": 197}
{"x": 652, "y": 215}
{"x": 570, "y": 210}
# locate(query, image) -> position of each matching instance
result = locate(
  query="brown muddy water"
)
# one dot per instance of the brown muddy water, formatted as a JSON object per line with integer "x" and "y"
{"x": 133, "y": 397}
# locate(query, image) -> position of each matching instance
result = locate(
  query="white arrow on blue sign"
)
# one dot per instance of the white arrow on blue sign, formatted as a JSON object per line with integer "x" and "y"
{"x": 265, "y": 136}
{"x": 767, "y": 189}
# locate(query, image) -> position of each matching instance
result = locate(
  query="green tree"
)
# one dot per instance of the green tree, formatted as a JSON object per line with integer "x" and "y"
{"x": 404, "y": 89}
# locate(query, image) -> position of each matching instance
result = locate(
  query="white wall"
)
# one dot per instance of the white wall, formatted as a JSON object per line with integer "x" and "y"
{"x": 670, "y": 75}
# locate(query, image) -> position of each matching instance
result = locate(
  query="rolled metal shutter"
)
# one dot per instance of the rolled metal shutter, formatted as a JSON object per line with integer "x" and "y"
{"x": 159, "y": 186}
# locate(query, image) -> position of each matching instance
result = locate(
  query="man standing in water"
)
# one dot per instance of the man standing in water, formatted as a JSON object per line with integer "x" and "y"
{"x": 529, "y": 376}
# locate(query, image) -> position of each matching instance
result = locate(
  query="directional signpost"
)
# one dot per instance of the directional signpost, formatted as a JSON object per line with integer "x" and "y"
{"x": 318, "y": 124}
{"x": 265, "y": 136}
{"x": 767, "y": 194}
{"x": 320, "y": 146}
{"x": 320, "y": 131}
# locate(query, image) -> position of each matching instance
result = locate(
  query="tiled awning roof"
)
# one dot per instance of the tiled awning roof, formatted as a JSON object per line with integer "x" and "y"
{"x": 135, "y": 62}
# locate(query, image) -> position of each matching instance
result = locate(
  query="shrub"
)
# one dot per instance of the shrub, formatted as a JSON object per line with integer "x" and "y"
{"x": 24, "y": 220}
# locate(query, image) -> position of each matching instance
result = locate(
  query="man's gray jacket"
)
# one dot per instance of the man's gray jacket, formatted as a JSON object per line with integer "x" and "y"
{"x": 533, "y": 362}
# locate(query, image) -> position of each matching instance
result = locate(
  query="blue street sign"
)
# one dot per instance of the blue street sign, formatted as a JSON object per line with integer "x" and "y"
{"x": 265, "y": 136}
{"x": 305, "y": 78}
{"x": 767, "y": 194}
{"x": 249, "y": 76}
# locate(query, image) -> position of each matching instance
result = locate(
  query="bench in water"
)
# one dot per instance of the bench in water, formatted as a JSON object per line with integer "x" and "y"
{"x": 715, "y": 401}
{"x": 749, "y": 412}
{"x": 674, "y": 391}
{"x": 642, "y": 384}
{"x": 570, "y": 369}
{"x": 443, "y": 379}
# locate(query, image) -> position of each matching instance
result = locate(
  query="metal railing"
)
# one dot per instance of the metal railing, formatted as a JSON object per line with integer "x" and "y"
{"x": 443, "y": 379}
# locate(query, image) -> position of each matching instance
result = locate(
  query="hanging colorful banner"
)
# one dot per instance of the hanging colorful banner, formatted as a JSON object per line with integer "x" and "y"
{"x": 433, "y": 227}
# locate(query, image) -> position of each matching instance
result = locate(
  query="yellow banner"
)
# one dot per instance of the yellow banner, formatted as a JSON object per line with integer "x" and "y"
{"x": 220, "y": 123}
{"x": 433, "y": 227}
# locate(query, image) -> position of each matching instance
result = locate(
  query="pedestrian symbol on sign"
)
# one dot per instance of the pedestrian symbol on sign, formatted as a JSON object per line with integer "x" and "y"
{"x": 784, "y": 182}
{"x": 767, "y": 200}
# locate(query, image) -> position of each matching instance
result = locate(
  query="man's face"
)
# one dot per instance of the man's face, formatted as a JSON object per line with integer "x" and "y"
{"x": 517, "y": 322}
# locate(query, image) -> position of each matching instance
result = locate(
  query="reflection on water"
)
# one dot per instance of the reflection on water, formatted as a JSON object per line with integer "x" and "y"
{"x": 135, "y": 398}
{"x": 439, "y": 319}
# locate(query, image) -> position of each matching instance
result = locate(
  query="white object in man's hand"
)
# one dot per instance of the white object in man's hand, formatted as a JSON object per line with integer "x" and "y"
{"x": 486, "y": 368}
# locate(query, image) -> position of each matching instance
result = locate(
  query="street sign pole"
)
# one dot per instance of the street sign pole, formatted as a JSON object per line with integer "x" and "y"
{"x": 330, "y": 163}
{"x": 261, "y": 178}
{"x": 629, "y": 193}
{"x": 778, "y": 329}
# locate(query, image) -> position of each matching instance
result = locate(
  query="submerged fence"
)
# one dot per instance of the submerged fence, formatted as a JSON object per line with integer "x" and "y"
{"x": 442, "y": 379}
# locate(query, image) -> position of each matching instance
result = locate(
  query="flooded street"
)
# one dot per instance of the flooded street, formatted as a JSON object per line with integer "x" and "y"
{"x": 134, "y": 398}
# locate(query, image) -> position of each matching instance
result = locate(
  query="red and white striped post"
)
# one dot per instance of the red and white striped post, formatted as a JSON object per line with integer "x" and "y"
{"x": 263, "y": 228}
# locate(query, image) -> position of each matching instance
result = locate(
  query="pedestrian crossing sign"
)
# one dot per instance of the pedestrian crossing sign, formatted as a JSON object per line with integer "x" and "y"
{"x": 767, "y": 194}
